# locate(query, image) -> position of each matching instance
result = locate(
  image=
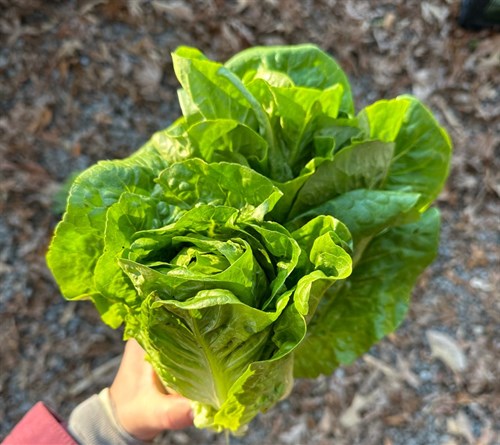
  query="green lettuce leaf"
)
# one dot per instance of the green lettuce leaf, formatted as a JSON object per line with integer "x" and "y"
{"x": 372, "y": 302}
{"x": 193, "y": 182}
{"x": 221, "y": 353}
{"x": 422, "y": 148}
{"x": 305, "y": 65}
{"x": 131, "y": 213}
{"x": 228, "y": 97}
{"x": 182, "y": 254}
{"x": 274, "y": 107}
{"x": 358, "y": 166}
{"x": 366, "y": 212}
{"x": 78, "y": 240}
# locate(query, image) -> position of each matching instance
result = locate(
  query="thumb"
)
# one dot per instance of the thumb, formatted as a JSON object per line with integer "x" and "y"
{"x": 174, "y": 412}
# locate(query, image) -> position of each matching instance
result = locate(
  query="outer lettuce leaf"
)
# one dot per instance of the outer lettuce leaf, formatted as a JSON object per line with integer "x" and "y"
{"x": 216, "y": 335}
{"x": 360, "y": 165}
{"x": 234, "y": 363}
{"x": 405, "y": 150}
{"x": 173, "y": 142}
{"x": 264, "y": 382}
{"x": 367, "y": 212}
{"x": 422, "y": 147}
{"x": 124, "y": 218}
{"x": 372, "y": 302}
{"x": 79, "y": 238}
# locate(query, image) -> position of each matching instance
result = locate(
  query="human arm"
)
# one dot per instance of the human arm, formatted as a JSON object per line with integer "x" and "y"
{"x": 136, "y": 406}
{"x": 135, "y": 409}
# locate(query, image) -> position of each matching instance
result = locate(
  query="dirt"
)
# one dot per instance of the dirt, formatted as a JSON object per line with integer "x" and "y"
{"x": 82, "y": 81}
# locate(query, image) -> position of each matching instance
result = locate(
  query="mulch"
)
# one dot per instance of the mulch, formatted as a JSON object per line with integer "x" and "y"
{"x": 87, "y": 80}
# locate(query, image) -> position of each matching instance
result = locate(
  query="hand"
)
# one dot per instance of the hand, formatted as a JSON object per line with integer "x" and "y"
{"x": 141, "y": 403}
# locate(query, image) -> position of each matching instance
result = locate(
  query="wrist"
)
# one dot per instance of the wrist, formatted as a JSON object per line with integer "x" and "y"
{"x": 94, "y": 418}
{"x": 128, "y": 422}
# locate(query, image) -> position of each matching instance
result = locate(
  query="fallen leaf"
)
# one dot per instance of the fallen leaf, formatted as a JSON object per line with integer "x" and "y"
{"x": 352, "y": 416}
{"x": 447, "y": 350}
{"x": 389, "y": 21}
{"x": 326, "y": 422}
{"x": 396, "y": 419}
{"x": 296, "y": 433}
{"x": 461, "y": 426}
{"x": 402, "y": 374}
{"x": 433, "y": 13}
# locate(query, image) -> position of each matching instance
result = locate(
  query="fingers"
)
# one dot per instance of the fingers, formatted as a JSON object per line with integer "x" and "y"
{"x": 143, "y": 405}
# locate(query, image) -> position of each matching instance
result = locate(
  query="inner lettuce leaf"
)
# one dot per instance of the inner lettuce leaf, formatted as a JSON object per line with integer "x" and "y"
{"x": 306, "y": 133}
{"x": 270, "y": 232}
{"x": 304, "y": 65}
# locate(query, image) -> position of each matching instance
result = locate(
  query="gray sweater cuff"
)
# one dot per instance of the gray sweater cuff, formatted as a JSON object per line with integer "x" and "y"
{"x": 93, "y": 423}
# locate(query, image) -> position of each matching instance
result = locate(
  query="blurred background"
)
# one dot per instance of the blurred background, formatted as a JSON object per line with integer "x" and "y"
{"x": 87, "y": 80}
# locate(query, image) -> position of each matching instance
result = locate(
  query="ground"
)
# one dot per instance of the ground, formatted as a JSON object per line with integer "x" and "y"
{"x": 92, "y": 79}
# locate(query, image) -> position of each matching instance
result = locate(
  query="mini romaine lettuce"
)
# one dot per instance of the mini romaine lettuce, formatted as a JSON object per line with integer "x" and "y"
{"x": 216, "y": 295}
{"x": 226, "y": 244}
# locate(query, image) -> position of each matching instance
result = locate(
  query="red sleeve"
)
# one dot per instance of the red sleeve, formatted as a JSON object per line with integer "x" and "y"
{"x": 39, "y": 426}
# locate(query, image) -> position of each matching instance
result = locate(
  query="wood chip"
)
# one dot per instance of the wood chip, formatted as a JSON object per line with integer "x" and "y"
{"x": 461, "y": 426}
{"x": 177, "y": 9}
{"x": 96, "y": 376}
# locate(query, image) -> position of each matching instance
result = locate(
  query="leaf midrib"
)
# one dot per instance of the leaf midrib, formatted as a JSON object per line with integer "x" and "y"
{"x": 219, "y": 387}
